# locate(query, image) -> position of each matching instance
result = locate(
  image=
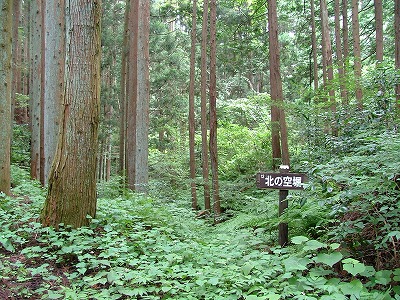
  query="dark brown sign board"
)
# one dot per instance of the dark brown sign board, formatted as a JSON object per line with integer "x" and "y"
{"x": 281, "y": 181}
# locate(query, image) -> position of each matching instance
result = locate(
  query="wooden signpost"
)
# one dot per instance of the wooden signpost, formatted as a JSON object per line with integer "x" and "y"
{"x": 284, "y": 181}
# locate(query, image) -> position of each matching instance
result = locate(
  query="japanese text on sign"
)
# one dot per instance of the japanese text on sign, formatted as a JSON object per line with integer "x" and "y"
{"x": 283, "y": 181}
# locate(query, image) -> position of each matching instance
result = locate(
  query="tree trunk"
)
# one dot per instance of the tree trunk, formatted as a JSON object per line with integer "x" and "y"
{"x": 213, "y": 110}
{"x": 397, "y": 50}
{"x": 54, "y": 78}
{"x": 35, "y": 84}
{"x": 143, "y": 84}
{"x": 122, "y": 104}
{"x": 72, "y": 183}
{"x": 339, "y": 53}
{"x": 132, "y": 95}
{"x": 357, "y": 53}
{"x": 345, "y": 31}
{"x": 379, "y": 29}
{"x": 16, "y": 111}
{"x": 207, "y": 202}
{"x": 5, "y": 94}
{"x": 314, "y": 46}
{"x": 192, "y": 124}
{"x": 280, "y": 149}
{"x": 327, "y": 57}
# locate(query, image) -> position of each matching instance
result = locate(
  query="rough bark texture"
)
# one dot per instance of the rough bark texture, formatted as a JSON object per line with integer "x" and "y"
{"x": 54, "y": 78}
{"x": 72, "y": 182}
{"x": 143, "y": 85}
{"x": 213, "y": 110}
{"x": 192, "y": 129}
{"x": 207, "y": 202}
{"x": 5, "y": 94}
{"x": 280, "y": 149}
{"x": 397, "y": 49}
{"x": 35, "y": 84}
{"x": 345, "y": 30}
{"x": 357, "y": 53}
{"x": 379, "y": 29}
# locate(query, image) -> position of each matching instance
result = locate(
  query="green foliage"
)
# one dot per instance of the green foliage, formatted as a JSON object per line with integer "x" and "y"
{"x": 20, "y": 151}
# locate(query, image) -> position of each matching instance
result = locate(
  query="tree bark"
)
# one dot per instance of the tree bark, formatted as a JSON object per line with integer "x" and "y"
{"x": 207, "y": 201}
{"x": 357, "y": 53}
{"x": 191, "y": 121}
{"x": 35, "y": 84}
{"x": 54, "y": 78}
{"x": 213, "y": 111}
{"x": 5, "y": 94}
{"x": 379, "y": 29}
{"x": 280, "y": 149}
{"x": 327, "y": 57}
{"x": 132, "y": 95}
{"x": 345, "y": 30}
{"x": 71, "y": 194}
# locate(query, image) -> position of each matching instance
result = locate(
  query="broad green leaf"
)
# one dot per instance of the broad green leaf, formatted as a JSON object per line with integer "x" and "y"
{"x": 273, "y": 296}
{"x": 54, "y": 295}
{"x": 112, "y": 276}
{"x": 213, "y": 281}
{"x": 335, "y": 296}
{"x": 296, "y": 264}
{"x": 353, "y": 266}
{"x": 246, "y": 268}
{"x": 7, "y": 244}
{"x": 314, "y": 245}
{"x": 299, "y": 239}
{"x": 334, "y": 246}
{"x": 383, "y": 277}
{"x": 328, "y": 258}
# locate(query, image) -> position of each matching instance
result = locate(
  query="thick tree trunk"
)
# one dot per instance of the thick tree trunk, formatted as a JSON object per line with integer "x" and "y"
{"x": 35, "y": 84}
{"x": 192, "y": 124}
{"x": 143, "y": 84}
{"x": 280, "y": 149}
{"x": 379, "y": 29}
{"x": 54, "y": 78}
{"x": 213, "y": 110}
{"x": 72, "y": 182}
{"x": 357, "y": 53}
{"x": 207, "y": 202}
{"x": 5, "y": 94}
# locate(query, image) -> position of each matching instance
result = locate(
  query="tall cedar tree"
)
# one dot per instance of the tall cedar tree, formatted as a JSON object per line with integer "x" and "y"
{"x": 379, "y": 29}
{"x": 5, "y": 94}
{"x": 280, "y": 148}
{"x": 314, "y": 46}
{"x": 213, "y": 109}
{"x": 191, "y": 121}
{"x": 72, "y": 195}
{"x": 339, "y": 53}
{"x": 357, "y": 53}
{"x": 204, "y": 128}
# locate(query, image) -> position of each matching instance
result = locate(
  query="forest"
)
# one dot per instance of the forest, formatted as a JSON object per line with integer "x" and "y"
{"x": 231, "y": 149}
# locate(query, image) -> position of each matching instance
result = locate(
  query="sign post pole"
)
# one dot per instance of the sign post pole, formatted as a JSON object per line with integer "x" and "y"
{"x": 283, "y": 204}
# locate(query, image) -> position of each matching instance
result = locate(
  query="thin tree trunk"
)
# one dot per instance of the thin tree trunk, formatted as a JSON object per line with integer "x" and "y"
{"x": 192, "y": 129}
{"x": 339, "y": 53}
{"x": 16, "y": 111}
{"x": 132, "y": 94}
{"x": 5, "y": 94}
{"x": 379, "y": 29}
{"x": 357, "y": 53}
{"x": 345, "y": 30}
{"x": 280, "y": 147}
{"x": 72, "y": 194}
{"x": 42, "y": 93}
{"x": 207, "y": 202}
{"x": 122, "y": 105}
{"x": 327, "y": 57}
{"x": 213, "y": 110}
{"x": 314, "y": 46}
{"x": 35, "y": 85}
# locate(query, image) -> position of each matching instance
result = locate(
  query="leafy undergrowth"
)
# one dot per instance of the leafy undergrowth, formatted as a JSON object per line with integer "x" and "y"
{"x": 141, "y": 248}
